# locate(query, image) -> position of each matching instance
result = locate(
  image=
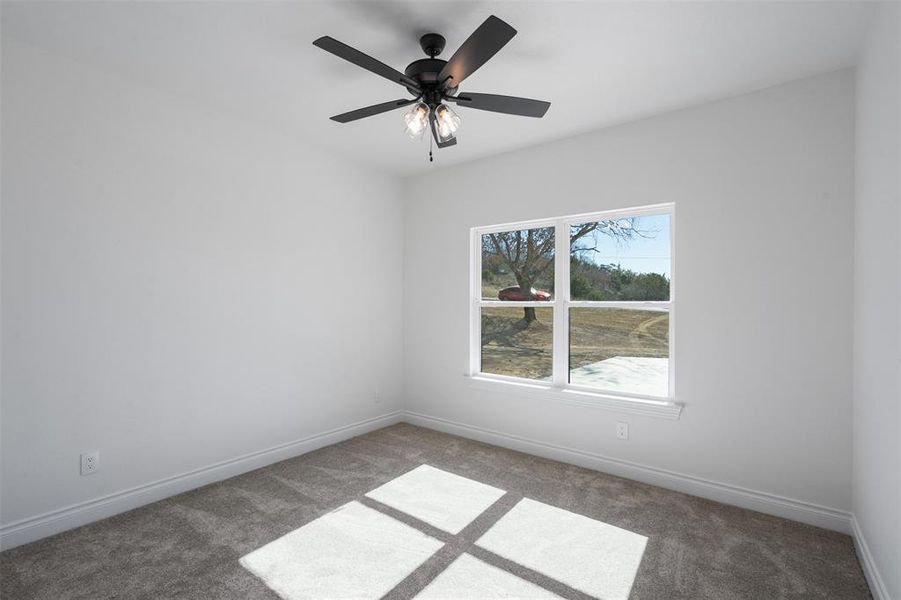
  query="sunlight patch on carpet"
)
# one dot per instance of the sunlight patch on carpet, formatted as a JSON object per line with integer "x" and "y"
{"x": 444, "y": 500}
{"x": 588, "y": 555}
{"x": 351, "y": 552}
{"x": 359, "y": 551}
{"x": 469, "y": 577}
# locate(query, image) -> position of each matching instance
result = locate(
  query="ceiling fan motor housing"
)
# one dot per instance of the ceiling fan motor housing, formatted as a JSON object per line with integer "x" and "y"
{"x": 425, "y": 70}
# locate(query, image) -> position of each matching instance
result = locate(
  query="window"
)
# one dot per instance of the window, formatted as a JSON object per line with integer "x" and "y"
{"x": 581, "y": 303}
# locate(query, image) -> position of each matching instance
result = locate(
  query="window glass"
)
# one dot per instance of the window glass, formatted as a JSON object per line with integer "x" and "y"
{"x": 621, "y": 350}
{"x": 618, "y": 260}
{"x": 518, "y": 342}
{"x": 518, "y": 265}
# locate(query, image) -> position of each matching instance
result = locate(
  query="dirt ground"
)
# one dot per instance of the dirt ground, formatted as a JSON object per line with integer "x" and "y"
{"x": 510, "y": 348}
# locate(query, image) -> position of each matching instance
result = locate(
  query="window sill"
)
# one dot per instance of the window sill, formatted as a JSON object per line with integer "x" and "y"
{"x": 652, "y": 408}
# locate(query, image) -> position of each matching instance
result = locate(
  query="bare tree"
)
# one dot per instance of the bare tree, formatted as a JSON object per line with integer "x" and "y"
{"x": 529, "y": 253}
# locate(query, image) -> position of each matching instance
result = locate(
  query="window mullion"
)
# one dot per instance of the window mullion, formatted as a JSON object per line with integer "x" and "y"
{"x": 561, "y": 296}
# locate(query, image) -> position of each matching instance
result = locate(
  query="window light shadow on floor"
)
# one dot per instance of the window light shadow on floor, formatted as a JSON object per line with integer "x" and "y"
{"x": 481, "y": 541}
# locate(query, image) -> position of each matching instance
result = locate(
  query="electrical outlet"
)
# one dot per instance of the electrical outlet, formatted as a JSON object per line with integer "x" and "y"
{"x": 622, "y": 431}
{"x": 90, "y": 462}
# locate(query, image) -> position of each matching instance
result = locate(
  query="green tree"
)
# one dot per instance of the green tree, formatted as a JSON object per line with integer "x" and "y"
{"x": 647, "y": 286}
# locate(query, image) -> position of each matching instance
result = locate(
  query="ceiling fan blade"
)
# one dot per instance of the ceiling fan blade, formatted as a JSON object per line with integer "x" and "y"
{"x": 353, "y": 55}
{"x": 484, "y": 43}
{"x": 433, "y": 126}
{"x": 511, "y": 105}
{"x": 375, "y": 109}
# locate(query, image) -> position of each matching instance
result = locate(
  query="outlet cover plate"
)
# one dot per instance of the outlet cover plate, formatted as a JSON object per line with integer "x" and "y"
{"x": 90, "y": 462}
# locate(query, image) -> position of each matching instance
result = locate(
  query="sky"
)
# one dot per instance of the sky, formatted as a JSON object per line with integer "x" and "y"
{"x": 650, "y": 254}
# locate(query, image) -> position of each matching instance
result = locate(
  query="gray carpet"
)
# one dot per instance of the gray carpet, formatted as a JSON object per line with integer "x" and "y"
{"x": 188, "y": 546}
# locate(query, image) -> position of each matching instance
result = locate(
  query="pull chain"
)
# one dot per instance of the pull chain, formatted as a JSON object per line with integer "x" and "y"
{"x": 431, "y": 159}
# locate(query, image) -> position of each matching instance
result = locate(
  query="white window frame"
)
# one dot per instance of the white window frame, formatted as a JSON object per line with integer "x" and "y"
{"x": 560, "y": 389}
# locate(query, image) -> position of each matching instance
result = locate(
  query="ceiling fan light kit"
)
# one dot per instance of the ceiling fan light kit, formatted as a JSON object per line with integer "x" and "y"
{"x": 447, "y": 122}
{"x": 434, "y": 82}
{"x": 417, "y": 120}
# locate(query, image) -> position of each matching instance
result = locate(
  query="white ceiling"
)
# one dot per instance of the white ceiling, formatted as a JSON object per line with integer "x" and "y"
{"x": 598, "y": 63}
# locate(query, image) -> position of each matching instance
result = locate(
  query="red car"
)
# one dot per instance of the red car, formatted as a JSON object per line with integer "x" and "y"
{"x": 514, "y": 294}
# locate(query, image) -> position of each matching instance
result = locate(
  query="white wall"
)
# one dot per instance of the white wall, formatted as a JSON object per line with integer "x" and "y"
{"x": 762, "y": 185}
{"x": 877, "y": 300}
{"x": 179, "y": 288}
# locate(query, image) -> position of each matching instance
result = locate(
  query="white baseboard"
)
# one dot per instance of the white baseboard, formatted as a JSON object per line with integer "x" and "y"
{"x": 877, "y": 585}
{"x": 796, "y": 510}
{"x": 40, "y": 526}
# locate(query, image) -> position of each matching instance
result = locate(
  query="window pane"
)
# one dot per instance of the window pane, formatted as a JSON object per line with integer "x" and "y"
{"x": 518, "y": 342}
{"x": 513, "y": 261}
{"x": 621, "y": 259}
{"x": 621, "y": 350}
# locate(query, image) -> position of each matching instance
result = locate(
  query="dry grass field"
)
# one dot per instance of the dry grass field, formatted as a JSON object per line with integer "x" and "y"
{"x": 510, "y": 348}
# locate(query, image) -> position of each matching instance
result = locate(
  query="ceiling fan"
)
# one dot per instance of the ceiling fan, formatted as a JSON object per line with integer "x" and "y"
{"x": 433, "y": 82}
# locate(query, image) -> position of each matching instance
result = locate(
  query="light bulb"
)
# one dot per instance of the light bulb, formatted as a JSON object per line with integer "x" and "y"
{"x": 447, "y": 122}
{"x": 417, "y": 120}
